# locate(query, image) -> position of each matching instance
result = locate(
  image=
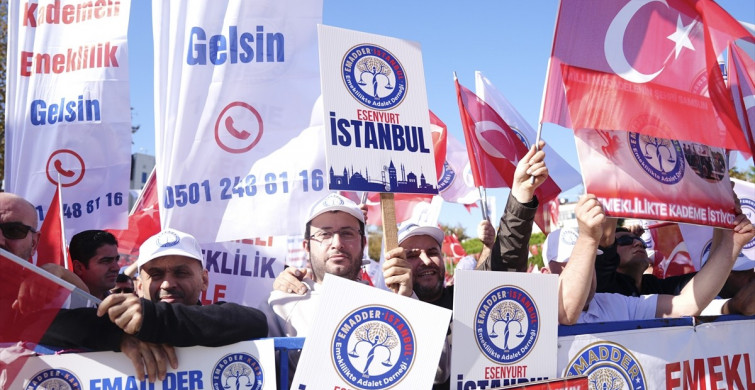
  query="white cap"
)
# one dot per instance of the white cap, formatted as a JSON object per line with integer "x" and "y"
{"x": 169, "y": 242}
{"x": 559, "y": 244}
{"x": 410, "y": 229}
{"x": 335, "y": 202}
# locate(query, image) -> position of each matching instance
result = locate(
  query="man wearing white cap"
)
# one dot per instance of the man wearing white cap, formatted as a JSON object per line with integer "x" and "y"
{"x": 557, "y": 249}
{"x": 334, "y": 240}
{"x": 168, "y": 311}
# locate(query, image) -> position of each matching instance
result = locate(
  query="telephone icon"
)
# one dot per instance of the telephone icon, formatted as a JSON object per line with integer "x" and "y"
{"x": 242, "y": 135}
{"x": 59, "y": 167}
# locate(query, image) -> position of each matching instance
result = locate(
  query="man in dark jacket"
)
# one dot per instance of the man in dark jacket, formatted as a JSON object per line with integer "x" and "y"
{"x": 172, "y": 277}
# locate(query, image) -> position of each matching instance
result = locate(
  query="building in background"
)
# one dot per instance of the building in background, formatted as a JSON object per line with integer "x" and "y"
{"x": 141, "y": 167}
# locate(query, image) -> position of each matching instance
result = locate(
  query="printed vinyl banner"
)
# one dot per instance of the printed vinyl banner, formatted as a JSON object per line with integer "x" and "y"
{"x": 505, "y": 329}
{"x": 249, "y": 365}
{"x": 68, "y": 114}
{"x": 365, "y": 338}
{"x": 378, "y": 136}
{"x": 705, "y": 356}
{"x": 236, "y": 83}
{"x": 639, "y": 176}
{"x": 243, "y": 271}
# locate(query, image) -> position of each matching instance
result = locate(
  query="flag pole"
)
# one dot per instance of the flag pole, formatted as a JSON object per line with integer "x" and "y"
{"x": 484, "y": 203}
{"x": 537, "y": 145}
{"x": 62, "y": 224}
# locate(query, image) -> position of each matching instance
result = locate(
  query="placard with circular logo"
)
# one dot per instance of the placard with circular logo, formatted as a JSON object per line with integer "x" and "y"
{"x": 373, "y": 347}
{"x": 237, "y": 371}
{"x": 374, "y": 76}
{"x": 54, "y": 378}
{"x": 507, "y": 324}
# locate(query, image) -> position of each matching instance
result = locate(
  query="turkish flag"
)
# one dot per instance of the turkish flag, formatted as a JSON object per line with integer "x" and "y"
{"x": 143, "y": 222}
{"x": 452, "y": 248}
{"x": 29, "y": 303}
{"x": 495, "y": 149}
{"x": 51, "y": 244}
{"x": 492, "y": 146}
{"x": 741, "y": 71}
{"x": 643, "y": 66}
{"x": 439, "y": 133}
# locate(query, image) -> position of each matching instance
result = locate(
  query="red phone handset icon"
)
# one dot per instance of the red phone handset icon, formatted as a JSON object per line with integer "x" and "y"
{"x": 242, "y": 135}
{"x": 64, "y": 172}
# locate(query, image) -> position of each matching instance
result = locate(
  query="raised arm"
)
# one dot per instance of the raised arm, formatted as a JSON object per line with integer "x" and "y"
{"x": 509, "y": 251}
{"x": 698, "y": 293}
{"x": 576, "y": 283}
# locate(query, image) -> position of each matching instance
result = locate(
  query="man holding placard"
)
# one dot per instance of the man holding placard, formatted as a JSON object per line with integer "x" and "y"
{"x": 334, "y": 240}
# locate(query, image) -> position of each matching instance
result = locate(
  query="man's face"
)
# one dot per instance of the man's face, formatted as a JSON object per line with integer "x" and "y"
{"x": 338, "y": 254}
{"x": 102, "y": 270}
{"x": 428, "y": 271}
{"x": 631, "y": 249}
{"x": 172, "y": 279}
{"x": 15, "y": 209}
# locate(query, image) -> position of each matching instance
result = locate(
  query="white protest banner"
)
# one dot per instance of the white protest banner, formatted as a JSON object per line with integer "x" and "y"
{"x": 640, "y": 176}
{"x": 248, "y": 364}
{"x": 235, "y": 86}
{"x": 708, "y": 355}
{"x": 378, "y": 136}
{"x": 504, "y": 330}
{"x": 367, "y": 339}
{"x": 243, "y": 271}
{"x": 67, "y": 109}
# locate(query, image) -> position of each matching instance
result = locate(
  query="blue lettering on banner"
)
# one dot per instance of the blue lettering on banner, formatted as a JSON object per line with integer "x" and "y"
{"x": 382, "y": 136}
{"x": 271, "y": 183}
{"x": 235, "y": 47}
{"x": 183, "y": 380}
{"x": 239, "y": 264}
{"x": 79, "y": 110}
{"x": 78, "y": 209}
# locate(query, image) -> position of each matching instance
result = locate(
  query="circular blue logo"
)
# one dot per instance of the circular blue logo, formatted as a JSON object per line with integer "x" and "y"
{"x": 661, "y": 159}
{"x": 608, "y": 366}
{"x": 447, "y": 177}
{"x": 374, "y": 76}
{"x": 237, "y": 371}
{"x": 507, "y": 324}
{"x": 748, "y": 209}
{"x": 521, "y": 136}
{"x": 167, "y": 239}
{"x": 373, "y": 348}
{"x": 54, "y": 378}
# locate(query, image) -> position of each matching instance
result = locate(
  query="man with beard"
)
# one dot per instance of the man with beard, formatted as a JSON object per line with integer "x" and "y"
{"x": 334, "y": 241}
{"x": 167, "y": 313}
{"x": 95, "y": 260}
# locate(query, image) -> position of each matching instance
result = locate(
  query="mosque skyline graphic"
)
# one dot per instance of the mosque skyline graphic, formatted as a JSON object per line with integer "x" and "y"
{"x": 388, "y": 180}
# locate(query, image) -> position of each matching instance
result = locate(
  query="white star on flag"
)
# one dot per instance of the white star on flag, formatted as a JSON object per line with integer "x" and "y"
{"x": 681, "y": 36}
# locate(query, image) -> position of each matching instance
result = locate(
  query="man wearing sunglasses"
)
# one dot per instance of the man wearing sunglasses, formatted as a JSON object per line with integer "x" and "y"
{"x": 94, "y": 254}
{"x": 19, "y": 235}
{"x": 578, "y": 302}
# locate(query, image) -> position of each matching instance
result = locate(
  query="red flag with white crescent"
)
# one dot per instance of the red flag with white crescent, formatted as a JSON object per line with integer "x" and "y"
{"x": 645, "y": 66}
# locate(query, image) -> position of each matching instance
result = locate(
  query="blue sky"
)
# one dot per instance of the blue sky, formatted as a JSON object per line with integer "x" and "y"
{"x": 509, "y": 41}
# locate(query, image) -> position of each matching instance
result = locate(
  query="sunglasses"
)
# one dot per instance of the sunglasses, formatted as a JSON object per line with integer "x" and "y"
{"x": 15, "y": 230}
{"x": 124, "y": 290}
{"x": 629, "y": 240}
